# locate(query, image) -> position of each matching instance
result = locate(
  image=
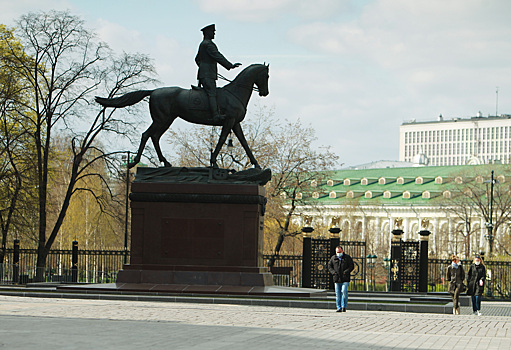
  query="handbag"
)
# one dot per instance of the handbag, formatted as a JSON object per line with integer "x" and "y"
{"x": 463, "y": 287}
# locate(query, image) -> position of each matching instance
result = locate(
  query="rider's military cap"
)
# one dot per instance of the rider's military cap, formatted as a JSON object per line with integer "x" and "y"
{"x": 210, "y": 27}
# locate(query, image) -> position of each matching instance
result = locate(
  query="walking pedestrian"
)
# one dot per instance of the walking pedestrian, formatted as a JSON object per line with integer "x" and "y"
{"x": 455, "y": 277}
{"x": 340, "y": 266}
{"x": 476, "y": 281}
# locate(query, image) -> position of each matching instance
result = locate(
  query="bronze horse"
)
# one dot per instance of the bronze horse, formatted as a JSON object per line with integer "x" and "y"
{"x": 168, "y": 103}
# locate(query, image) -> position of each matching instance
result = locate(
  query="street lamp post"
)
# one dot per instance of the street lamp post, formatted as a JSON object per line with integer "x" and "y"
{"x": 489, "y": 225}
{"x": 371, "y": 261}
{"x": 386, "y": 265}
{"x": 126, "y": 213}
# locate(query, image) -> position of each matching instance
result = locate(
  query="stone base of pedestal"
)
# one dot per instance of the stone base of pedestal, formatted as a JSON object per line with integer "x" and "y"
{"x": 192, "y": 289}
{"x": 196, "y": 275}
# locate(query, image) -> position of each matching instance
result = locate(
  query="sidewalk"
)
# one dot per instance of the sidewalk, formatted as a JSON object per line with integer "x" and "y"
{"x": 51, "y": 323}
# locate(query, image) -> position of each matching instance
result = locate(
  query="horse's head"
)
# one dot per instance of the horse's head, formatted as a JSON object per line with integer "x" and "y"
{"x": 261, "y": 80}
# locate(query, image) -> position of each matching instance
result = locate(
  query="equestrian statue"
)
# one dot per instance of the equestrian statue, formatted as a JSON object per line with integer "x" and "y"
{"x": 205, "y": 105}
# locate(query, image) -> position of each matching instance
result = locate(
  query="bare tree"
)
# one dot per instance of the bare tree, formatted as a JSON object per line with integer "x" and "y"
{"x": 68, "y": 67}
{"x": 472, "y": 198}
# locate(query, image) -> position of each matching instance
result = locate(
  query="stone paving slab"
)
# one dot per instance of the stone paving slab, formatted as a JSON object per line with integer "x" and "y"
{"x": 53, "y": 323}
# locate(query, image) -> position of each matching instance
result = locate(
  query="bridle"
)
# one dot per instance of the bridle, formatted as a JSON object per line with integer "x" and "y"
{"x": 242, "y": 85}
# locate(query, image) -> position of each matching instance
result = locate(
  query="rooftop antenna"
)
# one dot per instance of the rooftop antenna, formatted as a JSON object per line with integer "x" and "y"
{"x": 497, "y": 102}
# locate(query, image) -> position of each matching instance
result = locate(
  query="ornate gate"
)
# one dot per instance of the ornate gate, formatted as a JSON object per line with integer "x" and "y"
{"x": 405, "y": 266}
{"x": 317, "y": 254}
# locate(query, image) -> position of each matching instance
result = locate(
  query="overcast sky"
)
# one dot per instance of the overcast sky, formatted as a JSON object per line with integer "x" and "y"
{"x": 353, "y": 69}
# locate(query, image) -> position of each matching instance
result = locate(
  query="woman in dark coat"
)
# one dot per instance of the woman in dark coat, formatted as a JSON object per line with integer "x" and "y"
{"x": 476, "y": 281}
{"x": 455, "y": 277}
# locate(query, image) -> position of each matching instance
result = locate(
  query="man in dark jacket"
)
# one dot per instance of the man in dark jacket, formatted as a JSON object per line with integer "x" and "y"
{"x": 207, "y": 59}
{"x": 340, "y": 266}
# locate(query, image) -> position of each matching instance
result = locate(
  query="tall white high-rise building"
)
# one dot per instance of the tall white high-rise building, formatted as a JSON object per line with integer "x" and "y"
{"x": 457, "y": 141}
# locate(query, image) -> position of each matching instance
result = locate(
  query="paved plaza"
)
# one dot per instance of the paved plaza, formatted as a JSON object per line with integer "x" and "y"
{"x": 50, "y": 323}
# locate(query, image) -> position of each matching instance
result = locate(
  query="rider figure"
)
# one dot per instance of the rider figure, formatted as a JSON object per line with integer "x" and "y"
{"x": 207, "y": 59}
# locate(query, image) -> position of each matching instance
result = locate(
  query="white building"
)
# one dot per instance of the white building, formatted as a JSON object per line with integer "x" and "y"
{"x": 458, "y": 141}
{"x": 367, "y": 202}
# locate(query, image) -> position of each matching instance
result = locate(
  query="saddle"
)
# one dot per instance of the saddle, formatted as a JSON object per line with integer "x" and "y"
{"x": 198, "y": 99}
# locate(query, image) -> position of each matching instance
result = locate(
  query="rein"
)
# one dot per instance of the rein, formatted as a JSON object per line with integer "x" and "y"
{"x": 242, "y": 85}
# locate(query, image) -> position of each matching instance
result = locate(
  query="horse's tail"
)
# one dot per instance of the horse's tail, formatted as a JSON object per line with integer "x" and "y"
{"x": 125, "y": 100}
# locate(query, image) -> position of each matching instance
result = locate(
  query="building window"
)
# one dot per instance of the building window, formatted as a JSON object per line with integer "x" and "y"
{"x": 438, "y": 180}
{"x": 368, "y": 194}
{"x": 283, "y": 195}
{"x": 501, "y": 179}
{"x": 447, "y": 194}
{"x": 406, "y": 195}
{"x": 347, "y": 182}
{"x": 330, "y": 183}
{"x": 349, "y": 194}
{"x": 479, "y": 179}
{"x": 299, "y": 195}
{"x": 314, "y": 183}
{"x": 315, "y": 195}
{"x": 332, "y": 195}
{"x": 419, "y": 180}
{"x": 387, "y": 194}
{"x": 381, "y": 181}
{"x": 426, "y": 195}
{"x": 363, "y": 182}
{"x": 400, "y": 180}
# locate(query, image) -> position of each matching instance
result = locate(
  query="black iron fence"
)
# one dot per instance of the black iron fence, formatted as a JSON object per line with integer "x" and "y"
{"x": 287, "y": 270}
{"x": 498, "y": 277}
{"x": 91, "y": 266}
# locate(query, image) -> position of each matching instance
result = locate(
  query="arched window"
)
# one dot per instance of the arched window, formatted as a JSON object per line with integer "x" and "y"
{"x": 479, "y": 179}
{"x": 438, "y": 180}
{"x": 299, "y": 195}
{"x": 426, "y": 195}
{"x": 406, "y": 194}
{"x": 330, "y": 183}
{"x": 315, "y": 195}
{"x": 368, "y": 194}
{"x": 314, "y": 183}
{"x": 419, "y": 180}
{"x": 363, "y": 182}
{"x": 349, "y": 194}
{"x": 400, "y": 180}
{"x": 458, "y": 179}
{"x": 381, "y": 181}
{"x": 346, "y": 182}
{"x": 447, "y": 194}
{"x": 387, "y": 194}
{"x": 501, "y": 179}
{"x": 332, "y": 195}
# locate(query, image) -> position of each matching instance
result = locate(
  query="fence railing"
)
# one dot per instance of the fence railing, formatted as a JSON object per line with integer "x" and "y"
{"x": 102, "y": 266}
{"x": 93, "y": 266}
{"x": 287, "y": 270}
{"x": 498, "y": 277}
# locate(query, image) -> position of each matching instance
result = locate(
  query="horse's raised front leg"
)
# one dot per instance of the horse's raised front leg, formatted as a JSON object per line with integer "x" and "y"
{"x": 241, "y": 137}
{"x": 223, "y": 136}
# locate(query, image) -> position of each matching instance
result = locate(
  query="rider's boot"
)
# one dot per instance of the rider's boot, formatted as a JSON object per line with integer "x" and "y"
{"x": 217, "y": 117}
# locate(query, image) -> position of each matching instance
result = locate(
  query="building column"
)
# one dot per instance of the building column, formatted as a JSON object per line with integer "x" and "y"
{"x": 406, "y": 228}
